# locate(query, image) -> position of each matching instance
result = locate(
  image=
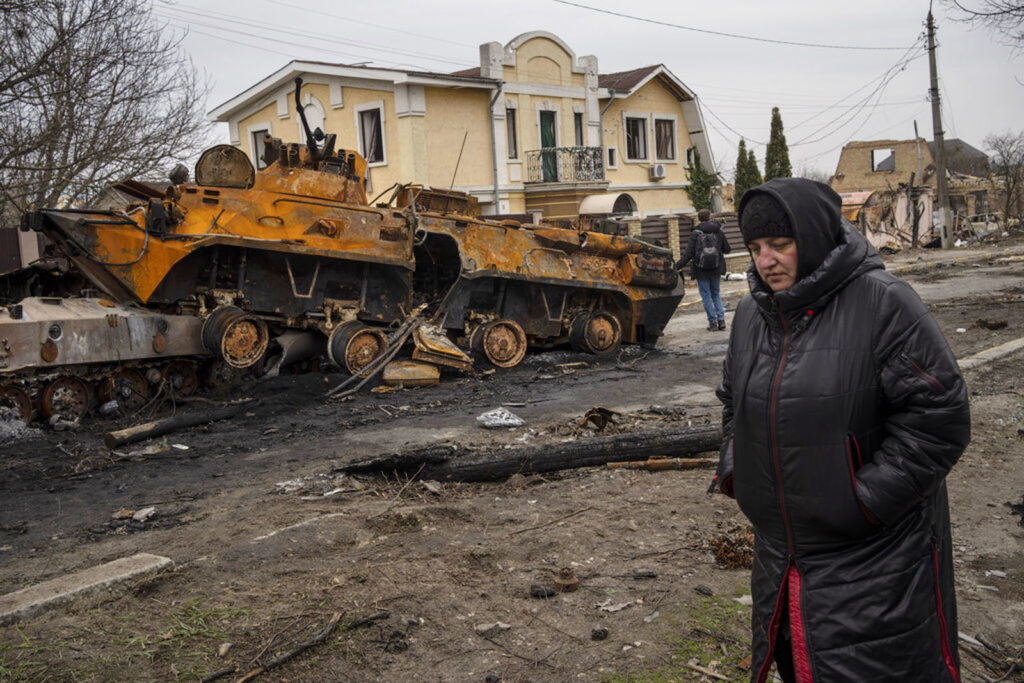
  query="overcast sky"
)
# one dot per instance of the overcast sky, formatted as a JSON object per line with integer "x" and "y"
{"x": 826, "y": 96}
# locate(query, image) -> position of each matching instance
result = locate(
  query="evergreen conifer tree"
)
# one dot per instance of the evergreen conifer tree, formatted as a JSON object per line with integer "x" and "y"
{"x": 701, "y": 182}
{"x": 776, "y": 158}
{"x": 753, "y": 170}
{"x": 747, "y": 173}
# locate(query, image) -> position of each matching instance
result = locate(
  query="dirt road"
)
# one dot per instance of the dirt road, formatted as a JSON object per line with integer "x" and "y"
{"x": 263, "y": 557}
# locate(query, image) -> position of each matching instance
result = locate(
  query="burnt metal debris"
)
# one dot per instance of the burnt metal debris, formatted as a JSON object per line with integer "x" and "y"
{"x": 244, "y": 268}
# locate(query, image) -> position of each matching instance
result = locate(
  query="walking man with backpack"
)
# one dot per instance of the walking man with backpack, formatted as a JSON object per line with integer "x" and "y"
{"x": 705, "y": 251}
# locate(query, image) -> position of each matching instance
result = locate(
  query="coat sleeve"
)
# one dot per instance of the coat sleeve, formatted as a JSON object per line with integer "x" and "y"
{"x": 688, "y": 254}
{"x": 723, "y": 479}
{"x": 726, "y": 249}
{"x": 927, "y": 417}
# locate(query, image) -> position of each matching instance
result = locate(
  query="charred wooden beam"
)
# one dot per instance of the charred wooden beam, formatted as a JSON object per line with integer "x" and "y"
{"x": 450, "y": 463}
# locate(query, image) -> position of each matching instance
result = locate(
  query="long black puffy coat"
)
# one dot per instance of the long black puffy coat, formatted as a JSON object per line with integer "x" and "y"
{"x": 844, "y": 410}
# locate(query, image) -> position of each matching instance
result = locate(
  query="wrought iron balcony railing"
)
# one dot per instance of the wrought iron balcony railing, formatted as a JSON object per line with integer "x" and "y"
{"x": 564, "y": 165}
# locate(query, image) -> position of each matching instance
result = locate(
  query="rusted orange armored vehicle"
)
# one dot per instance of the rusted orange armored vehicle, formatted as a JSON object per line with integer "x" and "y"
{"x": 196, "y": 283}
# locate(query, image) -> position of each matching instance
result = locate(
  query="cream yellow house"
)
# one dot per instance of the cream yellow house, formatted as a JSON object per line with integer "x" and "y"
{"x": 534, "y": 129}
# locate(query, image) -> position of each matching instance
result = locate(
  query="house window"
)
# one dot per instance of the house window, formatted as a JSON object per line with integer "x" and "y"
{"x": 578, "y": 120}
{"x": 689, "y": 156}
{"x": 259, "y": 147}
{"x": 613, "y": 157}
{"x": 370, "y": 120}
{"x": 636, "y": 138}
{"x": 883, "y": 159}
{"x": 512, "y": 140}
{"x": 664, "y": 139}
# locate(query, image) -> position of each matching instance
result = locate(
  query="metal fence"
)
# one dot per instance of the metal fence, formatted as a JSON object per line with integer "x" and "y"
{"x": 564, "y": 165}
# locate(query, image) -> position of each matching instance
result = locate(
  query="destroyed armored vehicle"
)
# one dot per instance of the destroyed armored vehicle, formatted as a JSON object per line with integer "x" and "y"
{"x": 196, "y": 283}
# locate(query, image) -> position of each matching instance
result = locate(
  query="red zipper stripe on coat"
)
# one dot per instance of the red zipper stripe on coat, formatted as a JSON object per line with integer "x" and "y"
{"x": 936, "y": 384}
{"x": 773, "y": 631}
{"x": 772, "y": 428}
{"x": 947, "y": 653}
{"x": 851, "y": 441}
{"x": 801, "y": 660}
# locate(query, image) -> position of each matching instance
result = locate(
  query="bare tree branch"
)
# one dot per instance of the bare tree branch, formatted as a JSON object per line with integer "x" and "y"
{"x": 91, "y": 92}
{"x": 1008, "y": 168}
{"x": 1002, "y": 16}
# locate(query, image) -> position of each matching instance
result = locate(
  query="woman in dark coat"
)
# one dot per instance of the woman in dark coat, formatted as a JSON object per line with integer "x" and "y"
{"x": 844, "y": 410}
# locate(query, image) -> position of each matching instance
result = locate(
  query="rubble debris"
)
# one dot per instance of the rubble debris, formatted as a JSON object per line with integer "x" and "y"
{"x": 147, "y": 430}
{"x": 990, "y": 324}
{"x": 599, "y": 634}
{"x": 411, "y": 373}
{"x": 735, "y": 549}
{"x": 12, "y": 426}
{"x": 433, "y": 346}
{"x": 123, "y": 513}
{"x": 499, "y": 418}
{"x": 143, "y": 515}
{"x": 609, "y": 606}
{"x": 566, "y": 581}
{"x": 492, "y": 629}
{"x": 745, "y": 600}
{"x": 449, "y": 463}
{"x": 223, "y": 650}
{"x": 644, "y": 573}
{"x": 704, "y": 590}
{"x": 598, "y": 417}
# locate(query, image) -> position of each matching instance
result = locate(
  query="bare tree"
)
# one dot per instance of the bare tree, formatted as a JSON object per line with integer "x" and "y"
{"x": 1008, "y": 168}
{"x": 1003, "y": 16}
{"x": 813, "y": 173}
{"x": 91, "y": 92}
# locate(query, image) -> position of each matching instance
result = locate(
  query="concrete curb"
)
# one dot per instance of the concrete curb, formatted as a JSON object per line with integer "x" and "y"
{"x": 989, "y": 355}
{"x": 98, "y": 580}
{"x": 959, "y": 261}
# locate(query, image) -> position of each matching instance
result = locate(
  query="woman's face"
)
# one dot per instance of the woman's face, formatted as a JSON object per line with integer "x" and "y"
{"x": 775, "y": 260}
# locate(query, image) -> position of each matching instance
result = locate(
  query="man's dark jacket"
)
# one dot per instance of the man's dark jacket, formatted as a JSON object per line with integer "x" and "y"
{"x": 691, "y": 255}
{"x": 844, "y": 410}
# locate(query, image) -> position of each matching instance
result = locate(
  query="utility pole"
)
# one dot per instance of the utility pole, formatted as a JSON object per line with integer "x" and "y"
{"x": 942, "y": 198}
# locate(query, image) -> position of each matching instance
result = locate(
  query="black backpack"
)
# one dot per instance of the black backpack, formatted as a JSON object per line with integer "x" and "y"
{"x": 708, "y": 251}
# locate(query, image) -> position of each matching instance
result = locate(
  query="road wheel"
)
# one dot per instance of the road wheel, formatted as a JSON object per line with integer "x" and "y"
{"x": 67, "y": 397}
{"x": 128, "y": 387}
{"x": 180, "y": 378}
{"x": 598, "y": 333}
{"x": 501, "y": 342}
{"x": 13, "y": 396}
{"x": 352, "y": 345}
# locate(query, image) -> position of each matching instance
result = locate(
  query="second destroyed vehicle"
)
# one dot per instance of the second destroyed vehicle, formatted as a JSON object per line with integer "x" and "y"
{"x": 239, "y": 266}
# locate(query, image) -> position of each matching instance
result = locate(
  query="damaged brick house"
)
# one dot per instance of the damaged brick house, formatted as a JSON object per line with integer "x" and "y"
{"x": 872, "y": 165}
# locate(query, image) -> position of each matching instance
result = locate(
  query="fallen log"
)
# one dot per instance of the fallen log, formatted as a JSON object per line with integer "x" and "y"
{"x": 658, "y": 464}
{"x": 147, "y": 430}
{"x": 452, "y": 463}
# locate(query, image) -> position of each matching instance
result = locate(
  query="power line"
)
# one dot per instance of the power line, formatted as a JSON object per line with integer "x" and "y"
{"x": 876, "y": 94}
{"x": 279, "y": 29}
{"x": 726, "y": 34}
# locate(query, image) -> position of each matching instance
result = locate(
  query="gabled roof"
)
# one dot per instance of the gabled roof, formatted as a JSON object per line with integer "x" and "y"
{"x": 627, "y": 82}
{"x": 295, "y": 68}
{"x": 962, "y": 157}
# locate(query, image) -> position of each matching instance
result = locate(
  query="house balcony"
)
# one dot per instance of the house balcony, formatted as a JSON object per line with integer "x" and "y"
{"x": 565, "y": 165}
{"x": 559, "y": 178}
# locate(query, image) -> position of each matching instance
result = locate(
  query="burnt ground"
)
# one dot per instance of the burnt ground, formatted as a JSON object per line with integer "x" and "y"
{"x": 263, "y": 558}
